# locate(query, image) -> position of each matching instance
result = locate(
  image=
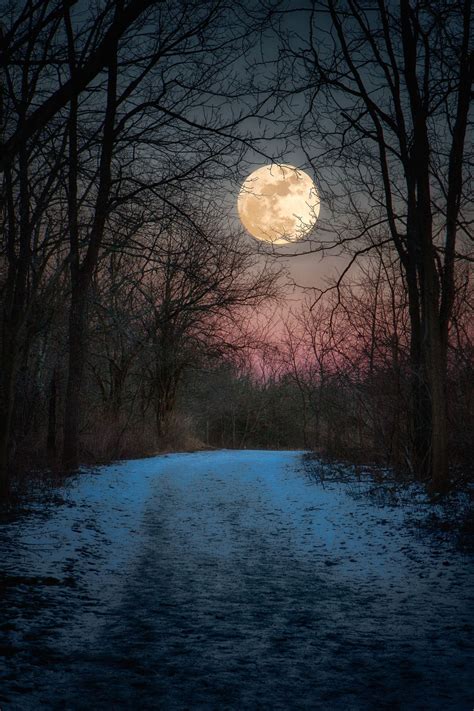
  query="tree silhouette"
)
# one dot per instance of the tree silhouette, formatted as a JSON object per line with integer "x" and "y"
{"x": 388, "y": 92}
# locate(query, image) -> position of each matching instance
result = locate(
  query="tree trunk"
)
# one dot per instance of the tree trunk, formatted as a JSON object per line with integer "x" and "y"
{"x": 76, "y": 360}
{"x": 436, "y": 380}
{"x": 52, "y": 418}
{"x": 7, "y": 389}
{"x": 15, "y": 304}
{"x": 165, "y": 396}
{"x": 82, "y": 273}
{"x": 433, "y": 360}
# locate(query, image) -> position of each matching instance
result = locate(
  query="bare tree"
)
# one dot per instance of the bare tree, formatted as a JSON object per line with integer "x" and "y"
{"x": 35, "y": 88}
{"x": 193, "y": 291}
{"x": 29, "y": 38}
{"x": 164, "y": 128}
{"x": 388, "y": 91}
{"x": 115, "y": 106}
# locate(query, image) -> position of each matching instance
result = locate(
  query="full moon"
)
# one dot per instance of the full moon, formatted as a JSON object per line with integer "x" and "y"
{"x": 278, "y": 204}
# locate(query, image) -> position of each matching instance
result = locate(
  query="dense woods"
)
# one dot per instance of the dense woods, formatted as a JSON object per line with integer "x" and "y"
{"x": 389, "y": 89}
{"x": 135, "y": 312}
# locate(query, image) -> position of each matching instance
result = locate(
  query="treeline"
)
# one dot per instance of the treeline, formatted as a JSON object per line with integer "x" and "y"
{"x": 338, "y": 379}
{"x": 129, "y": 302}
{"x": 118, "y": 128}
{"x": 176, "y": 361}
{"x": 152, "y": 318}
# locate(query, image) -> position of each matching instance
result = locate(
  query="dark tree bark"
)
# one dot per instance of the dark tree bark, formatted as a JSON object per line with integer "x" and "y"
{"x": 51, "y": 447}
{"x": 381, "y": 73}
{"x": 15, "y": 305}
{"x": 82, "y": 272}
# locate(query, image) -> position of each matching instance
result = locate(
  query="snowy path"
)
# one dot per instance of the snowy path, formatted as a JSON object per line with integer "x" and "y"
{"x": 229, "y": 580}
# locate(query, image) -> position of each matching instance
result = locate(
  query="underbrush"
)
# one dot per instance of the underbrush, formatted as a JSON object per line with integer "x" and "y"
{"x": 446, "y": 516}
{"x": 38, "y": 475}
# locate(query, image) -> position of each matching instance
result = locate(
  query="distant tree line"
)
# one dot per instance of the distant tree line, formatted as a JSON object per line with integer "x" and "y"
{"x": 338, "y": 379}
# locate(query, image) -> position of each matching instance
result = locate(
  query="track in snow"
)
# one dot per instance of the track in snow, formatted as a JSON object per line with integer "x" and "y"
{"x": 229, "y": 580}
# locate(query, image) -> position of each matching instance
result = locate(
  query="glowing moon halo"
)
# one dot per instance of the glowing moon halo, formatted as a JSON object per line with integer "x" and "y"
{"x": 278, "y": 204}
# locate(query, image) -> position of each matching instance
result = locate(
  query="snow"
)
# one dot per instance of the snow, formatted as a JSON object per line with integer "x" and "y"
{"x": 231, "y": 580}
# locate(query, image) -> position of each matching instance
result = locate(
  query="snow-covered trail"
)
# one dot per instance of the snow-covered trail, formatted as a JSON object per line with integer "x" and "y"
{"x": 230, "y": 580}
